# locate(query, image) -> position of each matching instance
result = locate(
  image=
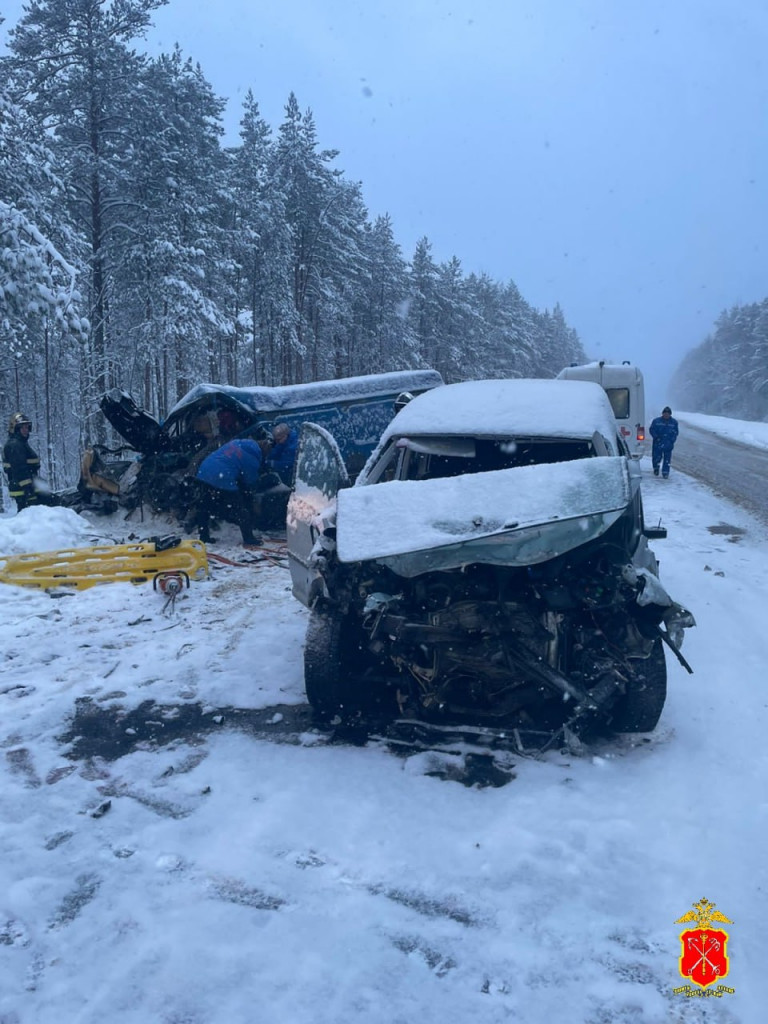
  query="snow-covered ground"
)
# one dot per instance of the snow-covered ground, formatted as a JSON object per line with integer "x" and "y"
{"x": 220, "y": 878}
{"x": 747, "y": 431}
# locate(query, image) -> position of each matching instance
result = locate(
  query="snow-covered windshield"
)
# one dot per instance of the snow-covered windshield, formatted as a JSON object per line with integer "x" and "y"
{"x": 402, "y": 516}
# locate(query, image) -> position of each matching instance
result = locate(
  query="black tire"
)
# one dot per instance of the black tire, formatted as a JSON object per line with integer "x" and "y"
{"x": 332, "y": 654}
{"x": 640, "y": 706}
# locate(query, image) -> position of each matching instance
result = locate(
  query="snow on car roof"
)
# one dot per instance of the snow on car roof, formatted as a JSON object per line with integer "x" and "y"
{"x": 501, "y": 408}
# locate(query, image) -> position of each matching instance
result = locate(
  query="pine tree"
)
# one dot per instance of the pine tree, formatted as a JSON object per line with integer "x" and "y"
{"x": 455, "y": 324}
{"x": 560, "y": 345}
{"x": 40, "y": 323}
{"x": 71, "y": 64}
{"x": 326, "y": 218}
{"x": 756, "y": 366}
{"x": 423, "y": 309}
{"x": 36, "y": 280}
{"x": 385, "y": 339}
{"x": 264, "y": 313}
{"x": 174, "y": 269}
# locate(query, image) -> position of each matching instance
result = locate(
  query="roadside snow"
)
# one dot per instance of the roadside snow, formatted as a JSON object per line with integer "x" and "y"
{"x": 747, "y": 431}
{"x": 44, "y": 529}
{"x": 222, "y": 878}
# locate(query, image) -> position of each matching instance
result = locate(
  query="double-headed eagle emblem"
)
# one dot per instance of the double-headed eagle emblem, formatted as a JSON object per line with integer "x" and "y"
{"x": 704, "y": 914}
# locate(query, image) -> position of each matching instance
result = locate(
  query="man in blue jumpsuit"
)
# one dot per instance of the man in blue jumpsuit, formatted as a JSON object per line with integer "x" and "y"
{"x": 226, "y": 483}
{"x": 664, "y": 432}
{"x": 283, "y": 455}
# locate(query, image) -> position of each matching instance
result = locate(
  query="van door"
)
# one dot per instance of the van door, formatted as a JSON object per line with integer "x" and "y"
{"x": 140, "y": 429}
{"x": 319, "y": 475}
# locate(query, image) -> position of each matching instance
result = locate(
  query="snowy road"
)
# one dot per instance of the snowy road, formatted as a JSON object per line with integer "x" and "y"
{"x": 218, "y": 878}
{"x": 736, "y": 471}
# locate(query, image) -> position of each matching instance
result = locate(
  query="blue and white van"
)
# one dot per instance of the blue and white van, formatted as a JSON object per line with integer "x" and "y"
{"x": 354, "y": 409}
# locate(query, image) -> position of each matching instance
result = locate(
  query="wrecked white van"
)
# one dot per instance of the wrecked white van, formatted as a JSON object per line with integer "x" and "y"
{"x": 490, "y": 563}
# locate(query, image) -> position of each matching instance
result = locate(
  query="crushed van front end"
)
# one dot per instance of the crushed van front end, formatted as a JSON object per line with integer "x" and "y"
{"x": 574, "y": 641}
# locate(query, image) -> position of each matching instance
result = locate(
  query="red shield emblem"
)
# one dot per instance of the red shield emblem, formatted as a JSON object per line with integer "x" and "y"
{"x": 704, "y": 960}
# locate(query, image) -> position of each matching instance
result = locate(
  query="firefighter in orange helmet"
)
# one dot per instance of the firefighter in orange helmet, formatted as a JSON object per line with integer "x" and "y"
{"x": 22, "y": 464}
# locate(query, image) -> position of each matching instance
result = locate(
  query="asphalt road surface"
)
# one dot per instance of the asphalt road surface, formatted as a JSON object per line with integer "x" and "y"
{"x": 735, "y": 471}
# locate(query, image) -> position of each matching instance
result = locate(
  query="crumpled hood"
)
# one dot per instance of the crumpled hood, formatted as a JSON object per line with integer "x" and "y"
{"x": 515, "y": 517}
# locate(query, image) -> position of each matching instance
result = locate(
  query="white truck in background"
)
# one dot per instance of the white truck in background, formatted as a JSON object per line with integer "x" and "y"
{"x": 623, "y": 383}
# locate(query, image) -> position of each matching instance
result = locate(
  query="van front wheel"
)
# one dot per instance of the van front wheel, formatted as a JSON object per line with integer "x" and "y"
{"x": 640, "y": 706}
{"x": 331, "y": 654}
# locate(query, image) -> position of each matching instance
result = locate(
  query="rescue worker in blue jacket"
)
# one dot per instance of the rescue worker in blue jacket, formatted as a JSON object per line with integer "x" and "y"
{"x": 283, "y": 454}
{"x": 22, "y": 465}
{"x": 664, "y": 431}
{"x": 226, "y": 484}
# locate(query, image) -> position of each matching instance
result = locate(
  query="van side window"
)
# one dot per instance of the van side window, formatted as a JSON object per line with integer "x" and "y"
{"x": 619, "y": 399}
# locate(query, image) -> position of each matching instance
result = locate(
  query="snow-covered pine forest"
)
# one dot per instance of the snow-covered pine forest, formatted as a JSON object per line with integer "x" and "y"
{"x": 727, "y": 375}
{"x": 139, "y": 251}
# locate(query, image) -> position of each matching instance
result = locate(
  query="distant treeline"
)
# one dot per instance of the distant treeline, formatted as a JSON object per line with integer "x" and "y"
{"x": 727, "y": 375}
{"x": 137, "y": 251}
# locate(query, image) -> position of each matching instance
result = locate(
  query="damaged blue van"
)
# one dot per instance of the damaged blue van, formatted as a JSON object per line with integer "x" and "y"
{"x": 159, "y": 458}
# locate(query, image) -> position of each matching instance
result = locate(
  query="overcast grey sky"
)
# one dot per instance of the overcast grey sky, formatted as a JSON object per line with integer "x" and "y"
{"x": 605, "y": 154}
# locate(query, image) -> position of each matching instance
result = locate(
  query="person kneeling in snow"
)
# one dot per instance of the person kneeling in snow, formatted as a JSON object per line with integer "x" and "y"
{"x": 226, "y": 483}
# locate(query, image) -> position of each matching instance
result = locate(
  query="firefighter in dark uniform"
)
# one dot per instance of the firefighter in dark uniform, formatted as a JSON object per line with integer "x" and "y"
{"x": 22, "y": 464}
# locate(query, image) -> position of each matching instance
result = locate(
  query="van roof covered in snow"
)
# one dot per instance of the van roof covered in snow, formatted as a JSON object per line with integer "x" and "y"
{"x": 266, "y": 400}
{"x": 607, "y": 374}
{"x": 509, "y": 408}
